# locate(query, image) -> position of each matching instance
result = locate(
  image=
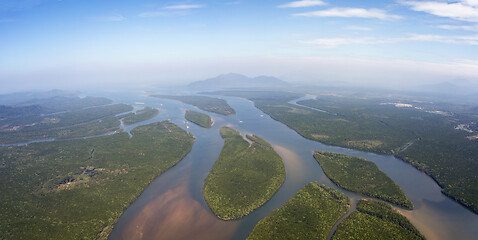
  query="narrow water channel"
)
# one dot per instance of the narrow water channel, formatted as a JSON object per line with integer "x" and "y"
{"x": 173, "y": 207}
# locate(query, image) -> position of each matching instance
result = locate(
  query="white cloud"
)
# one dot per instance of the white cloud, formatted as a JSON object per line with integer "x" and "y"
{"x": 471, "y": 2}
{"x": 183, "y": 7}
{"x": 303, "y": 3}
{"x": 464, "y": 10}
{"x": 466, "y": 39}
{"x": 351, "y": 12}
{"x": 459, "y": 27}
{"x": 336, "y": 42}
{"x": 358, "y": 28}
{"x": 111, "y": 18}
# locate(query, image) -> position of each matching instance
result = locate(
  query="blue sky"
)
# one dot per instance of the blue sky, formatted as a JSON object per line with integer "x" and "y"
{"x": 61, "y": 42}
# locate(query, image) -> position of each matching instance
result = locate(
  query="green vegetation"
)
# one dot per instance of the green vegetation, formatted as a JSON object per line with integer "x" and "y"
{"x": 33, "y": 111}
{"x": 61, "y": 103}
{"x": 450, "y": 160}
{"x": 439, "y": 150}
{"x": 198, "y": 118}
{"x": 366, "y": 125}
{"x": 359, "y": 175}
{"x": 259, "y": 140}
{"x": 209, "y": 104}
{"x": 244, "y": 176}
{"x": 367, "y": 122}
{"x": 141, "y": 115}
{"x": 78, "y": 189}
{"x": 80, "y": 123}
{"x": 310, "y": 214}
{"x": 376, "y": 220}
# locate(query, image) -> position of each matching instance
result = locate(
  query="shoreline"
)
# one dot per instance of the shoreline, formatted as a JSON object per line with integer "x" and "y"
{"x": 470, "y": 208}
{"x": 113, "y": 224}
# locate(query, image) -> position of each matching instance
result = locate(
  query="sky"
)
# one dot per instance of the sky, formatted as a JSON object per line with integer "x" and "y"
{"x": 87, "y": 43}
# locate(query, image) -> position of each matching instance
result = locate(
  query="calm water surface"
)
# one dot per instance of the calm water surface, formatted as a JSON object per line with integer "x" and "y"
{"x": 173, "y": 207}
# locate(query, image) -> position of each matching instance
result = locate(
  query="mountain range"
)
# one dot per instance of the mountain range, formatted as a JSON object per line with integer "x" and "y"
{"x": 234, "y": 80}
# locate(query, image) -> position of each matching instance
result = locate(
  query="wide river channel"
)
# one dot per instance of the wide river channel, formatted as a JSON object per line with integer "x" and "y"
{"x": 173, "y": 206}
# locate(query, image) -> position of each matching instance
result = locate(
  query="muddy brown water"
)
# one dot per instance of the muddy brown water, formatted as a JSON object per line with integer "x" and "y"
{"x": 173, "y": 207}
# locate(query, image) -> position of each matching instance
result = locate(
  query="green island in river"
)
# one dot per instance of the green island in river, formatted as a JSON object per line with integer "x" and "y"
{"x": 140, "y": 115}
{"x": 244, "y": 177}
{"x": 209, "y": 104}
{"x": 198, "y": 118}
{"x": 361, "y": 176}
{"x": 78, "y": 189}
{"x": 310, "y": 214}
{"x": 426, "y": 140}
{"x": 376, "y": 220}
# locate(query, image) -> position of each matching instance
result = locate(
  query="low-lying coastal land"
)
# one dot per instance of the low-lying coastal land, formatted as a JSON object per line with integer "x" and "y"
{"x": 140, "y": 115}
{"x": 79, "y": 171}
{"x": 368, "y": 123}
{"x": 198, "y": 118}
{"x": 77, "y": 189}
{"x": 45, "y": 120}
{"x": 361, "y": 176}
{"x": 376, "y": 220}
{"x": 244, "y": 177}
{"x": 209, "y": 104}
{"x": 310, "y": 214}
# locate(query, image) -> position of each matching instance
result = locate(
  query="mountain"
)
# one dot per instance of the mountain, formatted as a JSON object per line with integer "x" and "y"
{"x": 234, "y": 80}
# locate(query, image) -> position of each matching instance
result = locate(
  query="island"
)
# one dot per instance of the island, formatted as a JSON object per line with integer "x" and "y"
{"x": 209, "y": 104}
{"x": 361, "y": 176}
{"x": 198, "y": 118}
{"x": 78, "y": 189}
{"x": 140, "y": 115}
{"x": 376, "y": 220}
{"x": 244, "y": 177}
{"x": 310, "y": 214}
{"x": 420, "y": 135}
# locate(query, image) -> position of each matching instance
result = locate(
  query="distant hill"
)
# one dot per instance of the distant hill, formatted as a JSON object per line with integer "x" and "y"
{"x": 234, "y": 80}
{"x": 21, "y": 97}
{"x": 443, "y": 87}
{"x": 458, "y": 87}
{"x": 62, "y": 103}
{"x": 9, "y": 111}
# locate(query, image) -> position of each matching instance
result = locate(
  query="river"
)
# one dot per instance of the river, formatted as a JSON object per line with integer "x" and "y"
{"x": 173, "y": 207}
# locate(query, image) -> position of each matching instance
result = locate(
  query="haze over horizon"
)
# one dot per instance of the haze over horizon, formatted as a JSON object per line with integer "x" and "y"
{"x": 78, "y": 44}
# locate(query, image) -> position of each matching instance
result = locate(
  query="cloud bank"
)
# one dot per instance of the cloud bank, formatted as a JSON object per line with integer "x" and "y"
{"x": 351, "y": 13}
{"x": 463, "y": 10}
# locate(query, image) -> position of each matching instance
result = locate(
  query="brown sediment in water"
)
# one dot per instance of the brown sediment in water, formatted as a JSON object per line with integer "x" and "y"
{"x": 293, "y": 165}
{"x": 432, "y": 227}
{"x": 176, "y": 215}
